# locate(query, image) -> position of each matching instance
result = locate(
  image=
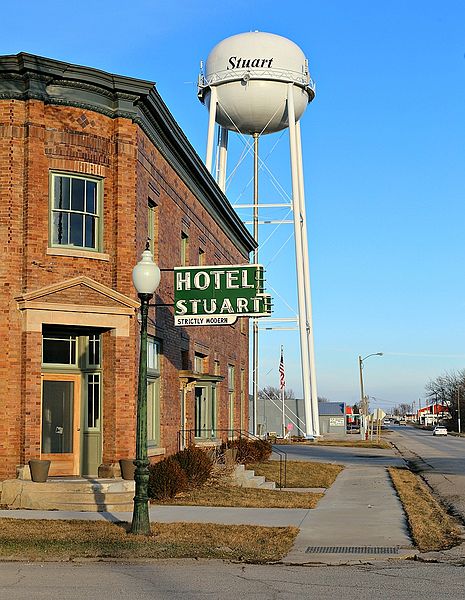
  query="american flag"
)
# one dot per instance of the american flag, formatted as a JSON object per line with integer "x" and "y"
{"x": 282, "y": 381}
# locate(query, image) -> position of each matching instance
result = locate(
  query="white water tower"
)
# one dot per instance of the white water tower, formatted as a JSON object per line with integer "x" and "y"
{"x": 258, "y": 83}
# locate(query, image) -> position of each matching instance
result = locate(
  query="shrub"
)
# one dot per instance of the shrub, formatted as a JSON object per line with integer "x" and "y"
{"x": 196, "y": 464}
{"x": 166, "y": 479}
{"x": 263, "y": 449}
{"x": 250, "y": 451}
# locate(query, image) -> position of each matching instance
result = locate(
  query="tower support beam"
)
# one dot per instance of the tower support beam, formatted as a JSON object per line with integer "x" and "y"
{"x": 299, "y": 225}
{"x": 211, "y": 128}
{"x": 307, "y": 286}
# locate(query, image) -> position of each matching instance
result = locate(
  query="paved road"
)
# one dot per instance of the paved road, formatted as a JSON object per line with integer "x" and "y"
{"x": 342, "y": 455}
{"x": 439, "y": 459}
{"x": 200, "y": 580}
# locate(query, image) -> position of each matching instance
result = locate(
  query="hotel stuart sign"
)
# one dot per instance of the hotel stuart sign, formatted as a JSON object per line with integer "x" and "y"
{"x": 219, "y": 294}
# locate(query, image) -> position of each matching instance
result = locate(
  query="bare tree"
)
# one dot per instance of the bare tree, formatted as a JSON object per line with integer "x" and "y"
{"x": 445, "y": 390}
{"x": 323, "y": 399}
{"x": 274, "y": 393}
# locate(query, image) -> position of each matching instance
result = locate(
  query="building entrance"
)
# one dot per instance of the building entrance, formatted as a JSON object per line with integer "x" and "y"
{"x": 61, "y": 409}
{"x": 71, "y": 400}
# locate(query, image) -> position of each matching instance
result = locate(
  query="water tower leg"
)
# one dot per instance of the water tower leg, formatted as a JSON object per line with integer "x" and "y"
{"x": 255, "y": 339}
{"x": 223, "y": 153}
{"x": 211, "y": 128}
{"x": 308, "y": 294}
{"x": 304, "y": 346}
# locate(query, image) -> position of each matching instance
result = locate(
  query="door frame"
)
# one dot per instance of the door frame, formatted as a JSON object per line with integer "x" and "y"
{"x": 203, "y": 431}
{"x": 62, "y": 464}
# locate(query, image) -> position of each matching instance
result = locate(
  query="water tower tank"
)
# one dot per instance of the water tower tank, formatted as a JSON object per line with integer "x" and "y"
{"x": 250, "y": 72}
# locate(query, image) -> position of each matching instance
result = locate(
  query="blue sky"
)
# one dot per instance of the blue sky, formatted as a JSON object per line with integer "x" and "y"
{"x": 384, "y": 160}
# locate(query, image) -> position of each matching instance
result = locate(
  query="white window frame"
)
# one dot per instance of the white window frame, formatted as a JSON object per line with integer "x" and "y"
{"x": 72, "y": 338}
{"x": 97, "y": 426}
{"x": 97, "y": 215}
{"x": 153, "y": 392}
{"x": 231, "y": 395}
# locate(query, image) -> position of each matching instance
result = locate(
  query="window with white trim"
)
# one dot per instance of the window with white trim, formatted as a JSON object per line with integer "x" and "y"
{"x": 152, "y": 228}
{"x": 92, "y": 418}
{"x": 75, "y": 210}
{"x": 200, "y": 362}
{"x": 184, "y": 249}
{"x": 231, "y": 394}
{"x": 153, "y": 392}
{"x": 93, "y": 350}
{"x": 59, "y": 348}
{"x": 242, "y": 423}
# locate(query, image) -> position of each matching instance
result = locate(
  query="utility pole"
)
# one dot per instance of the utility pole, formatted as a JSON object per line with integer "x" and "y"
{"x": 458, "y": 410}
{"x": 364, "y": 398}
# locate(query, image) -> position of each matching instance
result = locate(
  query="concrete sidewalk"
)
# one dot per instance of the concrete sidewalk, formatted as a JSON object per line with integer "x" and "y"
{"x": 360, "y": 518}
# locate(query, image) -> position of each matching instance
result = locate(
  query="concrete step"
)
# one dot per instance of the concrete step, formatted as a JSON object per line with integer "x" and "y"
{"x": 268, "y": 485}
{"x": 73, "y": 495}
{"x": 243, "y": 477}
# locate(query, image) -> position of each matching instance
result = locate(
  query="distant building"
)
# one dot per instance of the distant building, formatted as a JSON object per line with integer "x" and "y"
{"x": 433, "y": 414}
{"x": 332, "y": 417}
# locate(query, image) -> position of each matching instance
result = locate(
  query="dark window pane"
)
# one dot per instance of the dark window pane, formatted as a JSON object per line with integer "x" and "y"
{"x": 93, "y": 400}
{"x": 91, "y": 197}
{"x": 96, "y": 401}
{"x": 77, "y": 194}
{"x": 73, "y": 351}
{"x": 90, "y": 232}
{"x": 76, "y": 232}
{"x": 60, "y": 228}
{"x": 57, "y": 352}
{"x": 94, "y": 349}
{"x": 61, "y": 192}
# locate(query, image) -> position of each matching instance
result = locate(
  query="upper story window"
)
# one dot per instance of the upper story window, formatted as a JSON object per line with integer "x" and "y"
{"x": 201, "y": 260}
{"x": 184, "y": 249}
{"x": 152, "y": 227}
{"x": 153, "y": 356}
{"x": 200, "y": 363}
{"x": 231, "y": 376}
{"x": 75, "y": 211}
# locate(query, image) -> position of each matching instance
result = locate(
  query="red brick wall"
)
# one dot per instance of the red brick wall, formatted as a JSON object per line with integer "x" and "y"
{"x": 179, "y": 210}
{"x": 35, "y": 139}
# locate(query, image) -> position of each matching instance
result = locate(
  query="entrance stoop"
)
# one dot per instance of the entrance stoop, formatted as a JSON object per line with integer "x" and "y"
{"x": 246, "y": 478}
{"x": 79, "y": 494}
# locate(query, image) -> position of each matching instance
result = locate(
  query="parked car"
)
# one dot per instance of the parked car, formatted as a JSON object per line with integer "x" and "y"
{"x": 439, "y": 430}
{"x": 402, "y": 422}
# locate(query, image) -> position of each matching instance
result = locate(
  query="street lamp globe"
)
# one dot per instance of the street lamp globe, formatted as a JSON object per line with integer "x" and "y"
{"x": 146, "y": 274}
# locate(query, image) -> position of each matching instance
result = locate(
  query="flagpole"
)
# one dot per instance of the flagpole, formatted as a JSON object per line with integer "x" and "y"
{"x": 284, "y": 417}
{"x": 282, "y": 384}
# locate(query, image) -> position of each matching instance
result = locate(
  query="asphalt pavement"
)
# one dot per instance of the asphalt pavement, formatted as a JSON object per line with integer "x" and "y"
{"x": 441, "y": 463}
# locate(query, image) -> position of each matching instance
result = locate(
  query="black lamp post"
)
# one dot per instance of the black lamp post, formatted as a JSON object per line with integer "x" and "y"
{"x": 146, "y": 278}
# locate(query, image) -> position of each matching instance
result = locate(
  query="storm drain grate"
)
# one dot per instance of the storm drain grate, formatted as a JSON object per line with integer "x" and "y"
{"x": 352, "y": 550}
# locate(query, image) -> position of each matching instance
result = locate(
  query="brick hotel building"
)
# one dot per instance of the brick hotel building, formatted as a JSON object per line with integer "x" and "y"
{"x": 91, "y": 164}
